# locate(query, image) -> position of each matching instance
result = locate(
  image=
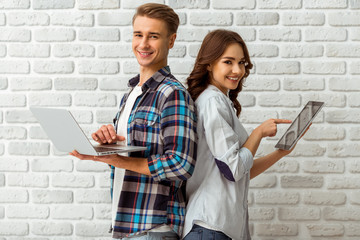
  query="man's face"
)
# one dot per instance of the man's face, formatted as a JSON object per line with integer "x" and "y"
{"x": 151, "y": 42}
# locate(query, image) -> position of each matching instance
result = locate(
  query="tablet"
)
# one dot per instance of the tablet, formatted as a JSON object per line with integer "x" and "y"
{"x": 299, "y": 125}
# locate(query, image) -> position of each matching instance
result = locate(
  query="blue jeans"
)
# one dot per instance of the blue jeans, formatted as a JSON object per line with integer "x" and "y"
{"x": 155, "y": 236}
{"x": 201, "y": 233}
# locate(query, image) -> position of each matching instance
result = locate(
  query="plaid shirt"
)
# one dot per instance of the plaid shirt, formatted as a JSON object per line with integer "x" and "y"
{"x": 163, "y": 119}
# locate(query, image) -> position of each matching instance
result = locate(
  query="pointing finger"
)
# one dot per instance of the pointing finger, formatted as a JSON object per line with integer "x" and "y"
{"x": 280, "y": 121}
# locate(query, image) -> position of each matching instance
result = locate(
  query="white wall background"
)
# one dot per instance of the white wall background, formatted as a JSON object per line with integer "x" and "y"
{"x": 76, "y": 54}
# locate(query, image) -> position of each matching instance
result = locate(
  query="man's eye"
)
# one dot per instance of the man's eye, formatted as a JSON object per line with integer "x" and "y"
{"x": 137, "y": 35}
{"x": 155, "y": 37}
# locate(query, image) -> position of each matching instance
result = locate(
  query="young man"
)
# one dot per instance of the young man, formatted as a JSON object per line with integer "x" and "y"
{"x": 149, "y": 197}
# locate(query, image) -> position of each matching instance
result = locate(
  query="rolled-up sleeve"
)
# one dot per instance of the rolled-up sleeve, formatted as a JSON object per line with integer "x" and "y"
{"x": 178, "y": 131}
{"x": 233, "y": 160}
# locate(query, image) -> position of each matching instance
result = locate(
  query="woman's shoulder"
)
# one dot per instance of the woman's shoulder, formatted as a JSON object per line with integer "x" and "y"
{"x": 212, "y": 95}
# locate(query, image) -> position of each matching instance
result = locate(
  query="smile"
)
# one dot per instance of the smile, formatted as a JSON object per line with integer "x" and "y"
{"x": 145, "y": 54}
{"x": 233, "y": 78}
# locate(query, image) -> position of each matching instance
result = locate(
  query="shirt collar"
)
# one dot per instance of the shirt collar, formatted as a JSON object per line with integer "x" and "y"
{"x": 218, "y": 90}
{"x": 153, "y": 82}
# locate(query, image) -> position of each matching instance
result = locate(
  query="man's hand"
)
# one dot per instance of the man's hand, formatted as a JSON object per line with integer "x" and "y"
{"x": 106, "y": 135}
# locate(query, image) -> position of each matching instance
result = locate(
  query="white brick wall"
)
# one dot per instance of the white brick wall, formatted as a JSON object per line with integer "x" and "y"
{"x": 76, "y": 54}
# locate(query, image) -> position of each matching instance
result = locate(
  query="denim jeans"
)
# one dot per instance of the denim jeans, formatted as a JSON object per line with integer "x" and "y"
{"x": 155, "y": 236}
{"x": 201, "y": 233}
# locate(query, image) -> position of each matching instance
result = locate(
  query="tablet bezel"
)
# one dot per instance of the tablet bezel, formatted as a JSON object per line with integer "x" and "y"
{"x": 283, "y": 146}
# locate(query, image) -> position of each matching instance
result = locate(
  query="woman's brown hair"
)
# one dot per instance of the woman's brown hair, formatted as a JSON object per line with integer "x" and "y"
{"x": 212, "y": 47}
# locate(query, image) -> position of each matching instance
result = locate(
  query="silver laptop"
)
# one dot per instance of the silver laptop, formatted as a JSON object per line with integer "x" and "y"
{"x": 66, "y": 134}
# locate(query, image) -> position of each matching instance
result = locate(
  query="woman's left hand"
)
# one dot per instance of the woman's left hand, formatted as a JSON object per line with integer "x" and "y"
{"x": 286, "y": 152}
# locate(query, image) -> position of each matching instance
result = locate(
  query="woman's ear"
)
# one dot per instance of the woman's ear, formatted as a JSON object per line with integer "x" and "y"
{"x": 209, "y": 68}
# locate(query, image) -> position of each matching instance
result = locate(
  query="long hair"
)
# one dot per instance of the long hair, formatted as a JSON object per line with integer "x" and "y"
{"x": 212, "y": 47}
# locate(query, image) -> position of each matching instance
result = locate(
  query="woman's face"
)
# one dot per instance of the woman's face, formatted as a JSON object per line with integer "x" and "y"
{"x": 227, "y": 71}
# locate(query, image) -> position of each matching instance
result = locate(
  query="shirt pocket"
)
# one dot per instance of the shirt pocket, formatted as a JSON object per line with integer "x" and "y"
{"x": 146, "y": 129}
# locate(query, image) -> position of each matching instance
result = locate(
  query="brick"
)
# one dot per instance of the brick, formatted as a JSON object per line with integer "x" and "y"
{"x": 14, "y": 67}
{"x": 36, "y": 132}
{"x": 191, "y": 34}
{"x": 277, "y": 34}
{"x": 352, "y": 229}
{"x": 12, "y": 100}
{"x": 105, "y": 116}
{"x": 2, "y": 19}
{"x": 343, "y": 50}
{"x": 78, "y": 19}
{"x": 354, "y": 4}
{"x": 54, "y": 67}
{"x": 11, "y": 4}
{"x": 29, "y": 50}
{"x": 301, "y": 181}
{"x": 30, "y": 83}
{"x": 91, "y": 166}
{"x": 13, "y": 165}
{"x": 72, "y": 181}
{"x": 344, "y": 18}
{"x": 344, "y": 150}
{"x": 261, "y": 18}
{"x": 253, "y": 116}
{"x": 81, "y": 116}
{"x": 341, "y": 213}
{"x": 354, "y": 198}
{"x": 263, "y": 50}
{"x": 11, "y": 195}
{"x": 303, "y": 19}
{"x": 3, "y": 83}
{"x": 104, "y": 180}
{"x": 51, "y": 228}
{"x": 53, "y": 4}
{"x": 99, "y": 35}
{"x": 325, "y": 133}
{"x": 54, "y": 35}
{"x": 261, "y": 213}
{"x": 95, "y": 100}
{"x": 115, "y": 18}
{"x": 98, "y": 67}
{"x": 344, "y": 84}
{"x": 189, "y": 4}
{"x": 324, "y": 198}
{"x": 343, "y": 183}
{"x": 73, "y": 50}
{"x": 115, "y": 51}
{"x": 326, "y": 230}
{"x": 301, "y": 50}
{"x": 92, "y": 229}
{"x": 325, "y": 4}
{"x": 246, "y": 100}
{"x": 71, "y": 212}
{"x": 355, "y": 34}
{"x": 354, "y": 100}
{"x": 12, "y": 132}
{"x": 177, "y": 51}
{"x": 181, "y": 67}
{"x": 321, "y": 166}
{"x": 285, "y": 166}
{"x": 343, "y": 116}
{"x": 92, "y": 196}
{"x": 28, "y": 19}
{"x": 118, "y": 83}
{"x": 278, "y": 67}
{"x": 49, "y": 99}
{"x": 312, "y": 67}
{"x": 325, "y": 34}
{"x": 132, "y": 4}
{"x": 330, "y": 99}
{"x": 276, "y": 197}
{"x": 51, "y": 196}
{"x": 299, "y": 213}
{"x": 2, "y": 149}
{"x": 98, "y": 4}
{"x": 286, "y": 229}
{"x": 354, "y": 133}
{"x": 75, "y": 83}
{"x": 279, "y": 100}
{"x": 103, "y": 211}
{"x": 307, "y": 150}
{"x": 28, "y": 180}
{"x": 28, "y": 212}
{"x": 263, "y": 181}
{"x": 28, "y": 148}
{"x": 10, "y": 228}
{"x": 52, "y": 165}
{"x": 2, "y": 212}
{"x": 303, "y": 84}
{"x": 279, "y": 4}
{"x": 355, "y": 67}
{"x": 260, "y": 83}
{"x": 211, "y": 19}
{"x": 19, "y": 116}
{"x": 233, "y": 4}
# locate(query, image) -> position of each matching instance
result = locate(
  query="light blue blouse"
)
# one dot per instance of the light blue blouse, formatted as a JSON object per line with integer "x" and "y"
{"x": 217, "y": 191}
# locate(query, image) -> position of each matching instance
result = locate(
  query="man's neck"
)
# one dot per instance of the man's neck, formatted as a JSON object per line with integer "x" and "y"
{"x": 146, "y": 73}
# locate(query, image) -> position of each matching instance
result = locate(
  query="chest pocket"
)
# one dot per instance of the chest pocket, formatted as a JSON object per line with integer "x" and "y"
{"x": 146, "y": 129}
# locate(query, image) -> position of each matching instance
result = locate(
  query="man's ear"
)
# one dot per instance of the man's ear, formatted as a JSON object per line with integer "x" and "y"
{"x": 172, "y": 40}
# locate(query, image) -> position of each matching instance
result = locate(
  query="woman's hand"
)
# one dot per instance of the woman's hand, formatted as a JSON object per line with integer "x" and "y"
{"x": 269, "y": 127}
{"x": 106, "y": 135}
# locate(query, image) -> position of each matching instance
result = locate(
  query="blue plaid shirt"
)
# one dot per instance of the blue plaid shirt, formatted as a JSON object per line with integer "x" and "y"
{"x": 163, "y": 119}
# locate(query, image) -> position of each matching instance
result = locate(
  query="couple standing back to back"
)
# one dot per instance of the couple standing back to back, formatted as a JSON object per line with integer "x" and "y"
{"x": 149, "y": 194}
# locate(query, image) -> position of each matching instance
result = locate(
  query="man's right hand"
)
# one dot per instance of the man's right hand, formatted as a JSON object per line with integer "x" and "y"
{"x": 106, "y": 134}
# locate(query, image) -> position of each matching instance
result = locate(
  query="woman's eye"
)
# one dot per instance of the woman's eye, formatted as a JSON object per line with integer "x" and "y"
{"x": 227, "y": 62}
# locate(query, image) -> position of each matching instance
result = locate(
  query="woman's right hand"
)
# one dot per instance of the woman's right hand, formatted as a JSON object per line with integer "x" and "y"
{"x": 106, "y": 135}
{"x": 269, "y": 127}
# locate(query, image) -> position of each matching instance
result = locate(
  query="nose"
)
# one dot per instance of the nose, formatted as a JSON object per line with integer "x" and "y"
{"x": 237, "y": 69}
{"x": 144, "y": 43}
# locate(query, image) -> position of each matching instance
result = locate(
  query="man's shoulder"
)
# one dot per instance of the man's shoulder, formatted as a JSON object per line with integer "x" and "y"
{"x": 170, "y": 84}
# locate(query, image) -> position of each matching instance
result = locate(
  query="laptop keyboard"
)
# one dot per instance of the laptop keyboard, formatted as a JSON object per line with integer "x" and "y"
{"x": 105, "y": 149}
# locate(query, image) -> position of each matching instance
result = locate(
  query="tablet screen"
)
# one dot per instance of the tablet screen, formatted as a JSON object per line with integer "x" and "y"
{"x": 299, "y": 125}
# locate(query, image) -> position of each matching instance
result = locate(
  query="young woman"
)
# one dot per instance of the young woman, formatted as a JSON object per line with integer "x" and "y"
{"x": 217, "y": 191}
